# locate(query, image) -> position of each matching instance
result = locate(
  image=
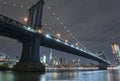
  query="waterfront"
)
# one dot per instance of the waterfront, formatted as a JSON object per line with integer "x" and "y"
{"x": 99, "y": 75}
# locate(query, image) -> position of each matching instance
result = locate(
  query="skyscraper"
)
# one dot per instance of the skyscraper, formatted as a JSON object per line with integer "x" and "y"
{"x": 116, "y": 52}
{"x": 44, "y": 59}
{"x": 51, "y": 55}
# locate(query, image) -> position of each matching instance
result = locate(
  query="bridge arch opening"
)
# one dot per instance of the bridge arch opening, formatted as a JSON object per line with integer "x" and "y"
{"x": 68, "y": 57}
{"x": 10, "y": 47}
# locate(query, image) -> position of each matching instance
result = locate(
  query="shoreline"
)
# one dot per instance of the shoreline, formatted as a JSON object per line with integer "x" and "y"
{"x": 69, "y": 69}
{"x": 60, "y": 69}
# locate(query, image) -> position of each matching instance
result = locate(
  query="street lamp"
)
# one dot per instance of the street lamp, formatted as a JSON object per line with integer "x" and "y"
{"x": 25, "y": 19}
{"x": 76, "y": 44}
{"x": 39, "y": 30}
{"x": 58, "y": 35}
{"x": 66, "y": 41}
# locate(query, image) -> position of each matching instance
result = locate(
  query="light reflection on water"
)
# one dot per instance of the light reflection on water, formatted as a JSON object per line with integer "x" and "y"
{"x": 105, "y": 75}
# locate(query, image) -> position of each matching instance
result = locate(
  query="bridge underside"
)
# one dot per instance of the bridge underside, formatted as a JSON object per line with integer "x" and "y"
{"x": 62, "y": 47}
{"x": 31, "y": 46}
{"x": 30, "y": 60}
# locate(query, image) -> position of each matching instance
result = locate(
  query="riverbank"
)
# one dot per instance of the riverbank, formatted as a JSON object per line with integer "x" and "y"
{"x": 57, "y": 69}
{"x": 69, "y": 69}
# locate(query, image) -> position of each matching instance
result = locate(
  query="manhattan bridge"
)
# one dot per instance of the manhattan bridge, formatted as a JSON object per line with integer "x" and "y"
{"x": 36, "y": 31}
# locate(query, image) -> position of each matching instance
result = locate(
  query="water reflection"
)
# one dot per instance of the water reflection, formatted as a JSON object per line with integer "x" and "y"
{"x": 116, "y": 75}
{"x": 91, "y": 76}
{"x": 19, "y": 76}
{"x": 6, "y": 76}
{"x": 60, "y": 76}
{"x": 27, "y": 76}
{"x": 109, "y": 76}
{"x": 105, "y": 75}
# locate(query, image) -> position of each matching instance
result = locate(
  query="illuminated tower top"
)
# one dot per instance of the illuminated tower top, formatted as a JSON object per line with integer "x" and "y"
{"x": 116, "y": 52}
{"x": 51, "y": 55}
{"x": 115, "y": 48}
{"x": 35, "y": 15}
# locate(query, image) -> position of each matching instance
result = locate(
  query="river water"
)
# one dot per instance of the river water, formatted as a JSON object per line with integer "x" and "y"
{"x": 101, "y": 75}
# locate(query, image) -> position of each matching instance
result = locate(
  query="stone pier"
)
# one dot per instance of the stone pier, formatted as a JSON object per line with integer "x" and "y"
{"x": 30, "y": 59}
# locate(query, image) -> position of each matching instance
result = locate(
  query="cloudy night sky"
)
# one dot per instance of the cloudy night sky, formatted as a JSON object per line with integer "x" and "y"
{"x": 94, "y": 23}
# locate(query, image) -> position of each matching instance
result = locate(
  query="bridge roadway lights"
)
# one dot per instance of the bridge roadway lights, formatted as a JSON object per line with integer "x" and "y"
{"x": 30, "y": 60}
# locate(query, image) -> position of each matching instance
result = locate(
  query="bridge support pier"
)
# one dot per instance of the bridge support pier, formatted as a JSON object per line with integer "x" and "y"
{"x": 102, "y": 66}
{"x": 30, "y": 60}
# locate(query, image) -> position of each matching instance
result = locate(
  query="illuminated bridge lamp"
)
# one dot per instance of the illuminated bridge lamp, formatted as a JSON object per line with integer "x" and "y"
{"x": 29, "y": 28}
{"x": 40, "y": 31}
{"x": 58, "y": 35}
{"x": 48, "y": 36}
{"x": 25, "y": 19}
{"x": 76, "y": 44}
{"x": 66, "y": 41}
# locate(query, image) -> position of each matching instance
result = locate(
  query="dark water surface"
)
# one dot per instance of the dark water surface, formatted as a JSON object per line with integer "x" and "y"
{"x": 103, "y": 75}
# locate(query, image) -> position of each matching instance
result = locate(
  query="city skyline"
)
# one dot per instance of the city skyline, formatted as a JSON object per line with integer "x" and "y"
{"x": 95, "y": 25}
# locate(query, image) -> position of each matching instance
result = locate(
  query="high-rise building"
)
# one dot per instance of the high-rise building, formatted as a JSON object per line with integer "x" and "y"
{"x": 61, "y": 61}
{"x": 116, "y": 52}
{"x": 2, "y": 56}
{"x": 44, "y": 58}
{"x": 51, "y": 55}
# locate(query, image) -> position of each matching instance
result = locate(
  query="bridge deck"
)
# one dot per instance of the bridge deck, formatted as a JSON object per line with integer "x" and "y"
{"x": 16, "y": 30}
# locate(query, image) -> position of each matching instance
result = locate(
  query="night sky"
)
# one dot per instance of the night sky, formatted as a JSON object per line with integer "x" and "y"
{"x": 95, "y": 23}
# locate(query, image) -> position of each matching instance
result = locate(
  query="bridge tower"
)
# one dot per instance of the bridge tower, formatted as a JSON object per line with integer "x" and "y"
{"x": 30, "y": 60}
{"x": 35, "y": 15}
{"x": 102, "y": 66}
